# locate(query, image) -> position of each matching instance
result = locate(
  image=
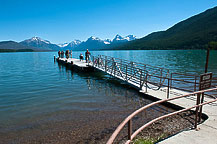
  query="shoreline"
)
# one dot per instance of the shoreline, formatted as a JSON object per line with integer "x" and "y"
{"x": 97, "y": 127}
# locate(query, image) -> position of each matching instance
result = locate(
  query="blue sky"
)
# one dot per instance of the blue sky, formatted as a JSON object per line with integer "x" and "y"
{"x": 65, "y": 20}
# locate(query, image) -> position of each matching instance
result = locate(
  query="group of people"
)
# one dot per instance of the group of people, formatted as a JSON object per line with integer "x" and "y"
{"x": 87, "y": 56}
{"x": 67, "y": 53}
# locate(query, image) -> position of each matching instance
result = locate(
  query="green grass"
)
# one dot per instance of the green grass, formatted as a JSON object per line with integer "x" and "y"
{"x": 144, "y": 141}
{"x": 148, "y": 140}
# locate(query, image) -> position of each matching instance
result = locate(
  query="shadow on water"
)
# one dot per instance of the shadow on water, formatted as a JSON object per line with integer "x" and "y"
{"x": 97, "y": 80}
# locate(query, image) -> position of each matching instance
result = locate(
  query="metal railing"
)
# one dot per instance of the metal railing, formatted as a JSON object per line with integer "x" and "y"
{"x": 144, "y": 76}
{"x": 128, "y": 120}
{"x": 139, "y": 74}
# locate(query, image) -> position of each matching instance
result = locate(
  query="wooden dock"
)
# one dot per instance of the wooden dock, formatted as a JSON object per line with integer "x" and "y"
{"x": 75, "y": 64}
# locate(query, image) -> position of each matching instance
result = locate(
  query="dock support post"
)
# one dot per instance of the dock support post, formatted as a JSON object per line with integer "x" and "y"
{"x": 161, "y": 73}
{"x": 195, "y": 83}
{"x": 140, "y": 82}
{"x": 146, "y": 83}
{"x": 105, "y": 63}
{"x": 129, "y": 129}
{"x": 100, "y": 60}
{"x": 121, "y": 65}
{"x": 171, "y": 80}
{"x": 126, "y": 73}
{"x": 131, "y": 68}
{"x": 200, "y": 113}
{"x": 114, "y": 68}
{"x": 197, "y": 108}
{"x": 168, "y": 88}
{"x": 93, "y": 61}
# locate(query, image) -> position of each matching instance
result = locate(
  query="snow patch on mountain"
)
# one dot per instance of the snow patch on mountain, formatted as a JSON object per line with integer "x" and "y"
{"x": 93, "y": 38}
{"x": 74, "y": 43}
{"x": 130, "y": 37}
{"x": 107, "y": 41}
{"x": 62, "y": 44}
{"x": 123, "y": 39}
{"x": 38, "y": 39}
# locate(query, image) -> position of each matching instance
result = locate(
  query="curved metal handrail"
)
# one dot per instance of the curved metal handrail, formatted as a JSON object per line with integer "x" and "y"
{"x": 128, "y": 119}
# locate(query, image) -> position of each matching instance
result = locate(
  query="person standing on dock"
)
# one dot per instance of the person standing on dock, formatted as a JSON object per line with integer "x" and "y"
{"x": 67, "y": 54}
{"x": 71, "y": 53}
{"x": 59, "y": 53}
{"x": 81, "y": 57}
{"x": 62, "y": 54}
{"x": 87, "y": 56}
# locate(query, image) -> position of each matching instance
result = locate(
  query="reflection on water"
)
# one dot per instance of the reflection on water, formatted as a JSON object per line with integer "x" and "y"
{"x": 65, "y": 71}
{"x": 118, "y": 92}
{"x": 100, "y": 82}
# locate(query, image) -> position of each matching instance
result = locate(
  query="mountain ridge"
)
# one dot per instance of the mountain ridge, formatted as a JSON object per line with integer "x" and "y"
{"x": 193, "y": 33}
{"x": 37, "y": 42}
{"x": 12, "y": 46}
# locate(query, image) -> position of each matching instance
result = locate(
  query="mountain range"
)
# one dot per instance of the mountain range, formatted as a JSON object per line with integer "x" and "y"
{"x": 92, "y": 43}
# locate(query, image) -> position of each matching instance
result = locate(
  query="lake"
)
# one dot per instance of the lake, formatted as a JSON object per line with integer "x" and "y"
{"x": 41, "y": 100}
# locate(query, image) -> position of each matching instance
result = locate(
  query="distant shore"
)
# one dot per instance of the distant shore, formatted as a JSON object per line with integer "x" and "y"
{"x": 22, "y": 50}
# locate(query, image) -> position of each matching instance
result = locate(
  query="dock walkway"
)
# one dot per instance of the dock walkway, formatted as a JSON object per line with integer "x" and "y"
{"x": 75, "y": 64}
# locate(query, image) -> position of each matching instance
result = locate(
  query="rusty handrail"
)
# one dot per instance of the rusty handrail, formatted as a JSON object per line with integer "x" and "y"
{"x": 167, "y": 115}
{"x": 129, "y": 118}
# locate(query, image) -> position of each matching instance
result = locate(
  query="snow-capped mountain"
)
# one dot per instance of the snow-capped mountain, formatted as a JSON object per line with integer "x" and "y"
{"x": 92, "y": 43}
{"x": 40, "y": 43}
{"x": 62, "y": 44}
{"x": 119, "y": 38}
{"x": 76, "y": 42}
{"x": 73, "y": 44}
{"x": 36, "y": 40}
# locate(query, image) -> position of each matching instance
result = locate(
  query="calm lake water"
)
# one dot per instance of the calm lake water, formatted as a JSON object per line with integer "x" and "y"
{"x": 35, "y": 90}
